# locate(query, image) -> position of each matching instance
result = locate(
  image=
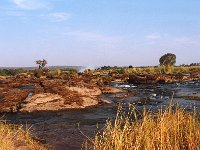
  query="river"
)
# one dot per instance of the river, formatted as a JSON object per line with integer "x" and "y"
{"x": 68, "y": 129}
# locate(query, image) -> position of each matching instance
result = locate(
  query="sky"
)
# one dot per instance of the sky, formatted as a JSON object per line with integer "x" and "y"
{"x": 98, "y": 32}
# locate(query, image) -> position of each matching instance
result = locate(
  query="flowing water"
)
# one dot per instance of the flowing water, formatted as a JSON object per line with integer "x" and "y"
{"x": 65, "y": 130}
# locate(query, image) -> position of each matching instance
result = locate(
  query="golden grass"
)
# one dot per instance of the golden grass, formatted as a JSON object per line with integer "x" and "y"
{"x": 13, "y": 137}
{"x": 165, "y": 130}
{"x": 186, "y": 69}
{"x": 145, "y": 70}
{"x": 157, "y": 70}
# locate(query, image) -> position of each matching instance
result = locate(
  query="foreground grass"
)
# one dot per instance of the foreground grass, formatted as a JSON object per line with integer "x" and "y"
{"x": 165, "y": 130}
{"x": 13, "y": 137}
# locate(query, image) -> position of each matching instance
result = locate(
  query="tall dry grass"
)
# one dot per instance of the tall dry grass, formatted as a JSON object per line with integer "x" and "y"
{"x": 13, "y": 137}
{"x": 186, "y": 69}
{"x": 166, "y": 130}
{"x": 162, "y": 69}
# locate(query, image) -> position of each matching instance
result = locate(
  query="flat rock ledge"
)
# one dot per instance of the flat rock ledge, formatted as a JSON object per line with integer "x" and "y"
{"x": 74, "y": 98}
{"x": 33, "y": 95}
{"x": 53, "y": 102}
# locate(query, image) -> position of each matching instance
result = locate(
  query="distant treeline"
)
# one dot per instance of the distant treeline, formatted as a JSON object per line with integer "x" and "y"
{"x": 12, "y": 72}
{"x": 192, "y": 64}
{"x": 116, "y": 67}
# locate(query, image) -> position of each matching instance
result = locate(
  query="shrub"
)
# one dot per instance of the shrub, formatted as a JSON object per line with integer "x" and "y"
{"x": 12, "y": 72}
{"x": 40, "y": 73}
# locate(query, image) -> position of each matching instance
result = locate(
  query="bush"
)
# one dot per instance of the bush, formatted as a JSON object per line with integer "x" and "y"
{"x": 39, "y": 73}
{"x": 11, "y": 72}
{"x": 54, "y": 73}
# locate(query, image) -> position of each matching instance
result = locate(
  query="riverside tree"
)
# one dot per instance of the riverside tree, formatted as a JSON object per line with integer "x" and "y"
{"x": 42, "y": 71}
{"x": 41, "y": 63}
{"x": 167, "y": 62}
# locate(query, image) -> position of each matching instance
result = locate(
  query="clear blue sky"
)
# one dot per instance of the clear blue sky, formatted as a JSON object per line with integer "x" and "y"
{"x": 98, "y": 32}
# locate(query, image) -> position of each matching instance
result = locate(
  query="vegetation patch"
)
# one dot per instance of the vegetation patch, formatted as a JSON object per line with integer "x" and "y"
{"x": 14, "y": 137}
{"x": 167, "y": 129}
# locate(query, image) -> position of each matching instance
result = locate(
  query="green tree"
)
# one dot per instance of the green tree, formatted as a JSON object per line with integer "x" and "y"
{"x": 167, "y": 62}
{"x": 41, "y": 63}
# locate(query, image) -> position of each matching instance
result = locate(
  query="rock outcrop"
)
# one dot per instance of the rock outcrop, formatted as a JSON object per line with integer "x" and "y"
{"x": 162, "y": 78}
{"x": 32, "y": 94}
{"x": 53, "y": 102}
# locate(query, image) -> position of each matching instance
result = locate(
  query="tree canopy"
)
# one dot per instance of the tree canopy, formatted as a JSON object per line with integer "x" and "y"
{"x": 168, "y": 59}
{"x": 41, "y": 63}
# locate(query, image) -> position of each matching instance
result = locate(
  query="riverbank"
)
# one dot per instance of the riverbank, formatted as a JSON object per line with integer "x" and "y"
{"x": 163, "y": 78}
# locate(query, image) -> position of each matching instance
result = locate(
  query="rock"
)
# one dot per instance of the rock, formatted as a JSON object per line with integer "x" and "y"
{"x": 95, "y": 91}
{"x": 111, "y": 90}
{"x": 26, "y": 94}
{"x": 89, "y": 101}
{"x": 11, "y": 100}
{"x": 43, "y": 102}
{"x": 53, "y": 102}
{"x": 106, "y": 101}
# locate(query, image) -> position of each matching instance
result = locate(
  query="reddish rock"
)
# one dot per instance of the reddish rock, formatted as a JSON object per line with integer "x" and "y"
{"x": 12, "y": 100}
{"x": 107, "y": 89}
{"x": 33, "y": 94}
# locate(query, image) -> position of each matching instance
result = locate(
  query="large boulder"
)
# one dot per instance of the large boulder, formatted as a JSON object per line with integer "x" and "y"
{"x": 54, "y": 102}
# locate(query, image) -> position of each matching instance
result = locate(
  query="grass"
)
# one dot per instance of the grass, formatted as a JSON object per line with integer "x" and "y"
{"x": 190, "y": 97}
{"x": 14, "y": 137}
{"x": 168, "y": 129}
{"x": 157, "y": 70}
